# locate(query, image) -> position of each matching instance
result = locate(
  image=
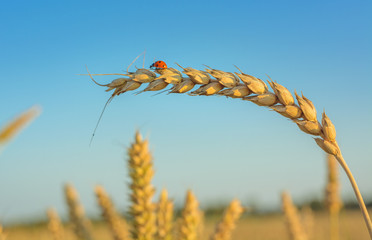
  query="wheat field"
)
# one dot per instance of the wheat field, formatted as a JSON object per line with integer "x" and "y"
{"x": 267, "y": 227}
{"x": 151, "y": 219}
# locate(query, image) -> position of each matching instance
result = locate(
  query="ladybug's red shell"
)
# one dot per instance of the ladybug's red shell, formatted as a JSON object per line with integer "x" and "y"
{"x": 159, "y": 64}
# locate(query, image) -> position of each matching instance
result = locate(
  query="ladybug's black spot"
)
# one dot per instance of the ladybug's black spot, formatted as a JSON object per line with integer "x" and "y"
{"x": 158, "y": 62}
{"x": 163, "y": 66}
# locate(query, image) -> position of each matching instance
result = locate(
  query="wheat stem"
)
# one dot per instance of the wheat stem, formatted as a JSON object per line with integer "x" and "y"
{"x": 359, "y": 197}
{"x": 281, "y": 101}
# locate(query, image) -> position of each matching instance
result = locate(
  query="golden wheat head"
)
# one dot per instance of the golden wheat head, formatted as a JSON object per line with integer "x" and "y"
{"x": 227, "y": 224}
{"x": 141, "y": 173}
{"x": 81, "y": 225}
{"x": 118, "y": 226}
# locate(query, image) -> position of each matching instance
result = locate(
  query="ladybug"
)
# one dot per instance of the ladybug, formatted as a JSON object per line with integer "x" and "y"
{"x": 159, "y": 65}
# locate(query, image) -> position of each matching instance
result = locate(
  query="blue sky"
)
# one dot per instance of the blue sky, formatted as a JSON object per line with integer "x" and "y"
{"x": 221, "y": 148}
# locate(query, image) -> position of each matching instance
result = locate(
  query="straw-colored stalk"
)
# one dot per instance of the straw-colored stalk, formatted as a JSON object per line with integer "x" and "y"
{"x": 295, "y": 229}
{"x": 225, "y": 227}
{"x": 308, "y": 220}
{"x": 80, "y": 224}
{"x": 2, "y": 234}
{"x": 15, "y": 126}
{"x": 164, "y": 217}
{"x": 332, "y": 197}
{"x": 117, "y": 225}
{"x": 141, "y": 173}
{"x": 190, "y": 218}
{"x": 54, "y": 225}
{"x": 249, "y": 88}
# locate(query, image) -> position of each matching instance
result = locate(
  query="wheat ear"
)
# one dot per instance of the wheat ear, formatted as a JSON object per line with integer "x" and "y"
{"x": 164, "y": 217}
{"x": 141, "y": 173}
{"x": 118, "y": 226}
{"x": 54, "y": 224}
{"x": 81, "y": 225}
{"x": 308, "y": 220}
{"x": 225, "y": 227}
{"x": 332, "y": 197}
{"x": 2, "y": 234}
{"x": 295, "y": 229}
{"x": 190, "y": 218}
{"x": 15, "y": 126}
{"x": 280, "y": 100}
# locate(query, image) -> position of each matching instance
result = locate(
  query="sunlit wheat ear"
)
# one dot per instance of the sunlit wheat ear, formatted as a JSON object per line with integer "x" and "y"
{"x": 54, "y": 225}
{"x": 281, "y": 101}
{"x": 3, "y": 236}
{"x": 80, "y": 224}
{"x": 117, "y": 225}
{"x": 190, "y": 219}
{"x": 308, "y": 220}
{"x": 141, "y": 173}
{"x": 164, "y": 217}
{"x": 16, "y": 125}
{"x": 295, "y": 229}
{"x": 332, "y": 197}
{"x": 225, "y": 227}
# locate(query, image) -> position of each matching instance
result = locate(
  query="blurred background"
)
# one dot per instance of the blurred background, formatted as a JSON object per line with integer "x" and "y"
{"x": 221, "y": 148}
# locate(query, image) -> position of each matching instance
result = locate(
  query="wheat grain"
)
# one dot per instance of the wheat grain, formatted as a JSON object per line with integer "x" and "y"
{"x": 281, "y": 101}
{"x": 118, "y": 226}
{"x": 225, "y": 227}
{"x": 164, "y": 217}
{"x": 141, "y": 173}
{"x": 54, "y": 225}
{"x": 80, "y": 224}
{"x": 295, "y": 229}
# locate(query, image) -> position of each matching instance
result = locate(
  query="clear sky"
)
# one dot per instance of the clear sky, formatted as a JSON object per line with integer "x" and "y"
{"x": 221, "y": 148}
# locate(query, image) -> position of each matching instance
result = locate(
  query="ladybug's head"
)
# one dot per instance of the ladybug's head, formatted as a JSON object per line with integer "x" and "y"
{"x": 158, "y": 65}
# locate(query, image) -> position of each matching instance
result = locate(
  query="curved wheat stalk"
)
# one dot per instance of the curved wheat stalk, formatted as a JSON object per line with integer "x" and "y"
{"x": 250, "y": 88}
